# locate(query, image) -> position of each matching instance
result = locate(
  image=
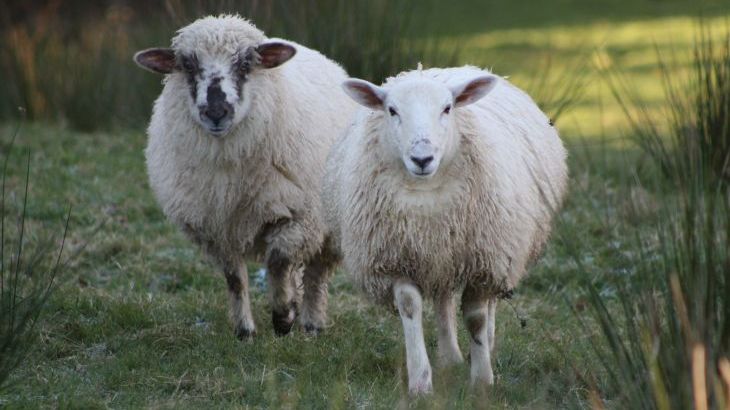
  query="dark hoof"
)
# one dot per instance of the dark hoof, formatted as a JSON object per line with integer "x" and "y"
{"x": 283, "y": 321}
{"x": 243, "y": 333}
{"x": 313, "y": 330}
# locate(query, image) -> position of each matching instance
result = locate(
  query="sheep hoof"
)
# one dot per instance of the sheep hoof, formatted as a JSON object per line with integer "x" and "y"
{"x": 422, "y": 386}
{"x": 283, "y": 321}
{"x": 312, "y": 330}
{"x": 420, "y": 390}
{"x": 244, "y": 333}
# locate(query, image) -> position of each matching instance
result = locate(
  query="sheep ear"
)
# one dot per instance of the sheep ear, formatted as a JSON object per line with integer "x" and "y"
{"x": 157, "y": 60}
{"x": 274, "y": 54}
{"x": 365, "y": 93}
{"x": 472, "y": 90}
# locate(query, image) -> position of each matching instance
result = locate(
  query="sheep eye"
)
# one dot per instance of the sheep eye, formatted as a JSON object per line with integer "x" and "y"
{"x": 392, "y": 112}
{"x": 188, "y": 64}
{"x": 447, "y": 109}
{"x": 243, "y": 65}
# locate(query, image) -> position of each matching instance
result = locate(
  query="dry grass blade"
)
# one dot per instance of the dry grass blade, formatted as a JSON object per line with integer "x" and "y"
{"x": 699, "y": 383}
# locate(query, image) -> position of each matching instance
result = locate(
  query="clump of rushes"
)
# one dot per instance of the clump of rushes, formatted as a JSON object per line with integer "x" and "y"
{"x": 28, "y": 272}
{"x": 693, "y": 139}
{"x": 664, "y": 338}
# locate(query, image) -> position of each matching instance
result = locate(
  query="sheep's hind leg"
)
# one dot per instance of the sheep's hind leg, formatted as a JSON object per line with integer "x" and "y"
{"x": 448, "y": 344}
{"x": 314, "y": 306}
{"x": 475, "y": 307}
{"x": 237, "y": 279}
{"x": 410, "y": 306}
{"x": 283, "y": 291}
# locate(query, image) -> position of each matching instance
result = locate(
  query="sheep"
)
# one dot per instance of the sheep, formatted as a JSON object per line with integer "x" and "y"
{"x": 446, "y": 182}
{"x": 237, "y": 145}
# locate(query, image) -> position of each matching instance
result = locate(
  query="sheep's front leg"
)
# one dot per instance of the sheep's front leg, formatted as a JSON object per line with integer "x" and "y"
{"x": 410, "y": 306}
{"x": 491, "y": 322}
{"x": 314, "y": 306}
{"x": 237, "y": 279}
{"x": 283, "y": 291}
{"x": 448, "y": 344}
{"x": 475, "y": 307}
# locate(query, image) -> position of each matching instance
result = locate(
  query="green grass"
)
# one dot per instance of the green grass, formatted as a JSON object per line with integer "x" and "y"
{"x": 670, "y": 331}
{"x": 585, "y": 50}
{"x": 140, "y": 319}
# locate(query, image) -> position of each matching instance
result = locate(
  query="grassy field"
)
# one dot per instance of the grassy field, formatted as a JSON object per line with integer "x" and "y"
{"x": 140, "y": 318}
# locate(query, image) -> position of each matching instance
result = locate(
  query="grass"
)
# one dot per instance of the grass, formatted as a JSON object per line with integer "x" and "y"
{"x": 629, "y": 46}
{"x": 26, "y": 282}
{"x": 140, "y": 319}
{"x": 667, "y": 344}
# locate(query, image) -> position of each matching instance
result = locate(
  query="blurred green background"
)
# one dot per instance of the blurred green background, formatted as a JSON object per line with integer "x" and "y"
{"x": 69, "y": 61}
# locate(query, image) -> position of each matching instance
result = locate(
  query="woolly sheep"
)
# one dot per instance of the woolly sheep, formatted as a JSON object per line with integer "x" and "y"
{"x": 237, "y": 146}
{"x": 435, "y": 190}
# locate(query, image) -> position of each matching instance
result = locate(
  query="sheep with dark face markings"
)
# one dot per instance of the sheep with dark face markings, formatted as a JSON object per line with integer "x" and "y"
{"x": 236, "y": 152}
{"x": 446, "y": 183}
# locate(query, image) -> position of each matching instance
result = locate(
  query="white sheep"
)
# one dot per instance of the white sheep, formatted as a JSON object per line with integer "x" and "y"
{"x": 435, "y": 190}
{"x": 237, "y": 146}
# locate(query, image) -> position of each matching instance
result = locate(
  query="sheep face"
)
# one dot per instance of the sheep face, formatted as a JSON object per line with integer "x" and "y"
{"x": 419, "y": 122}
{"x": 219, "y": 98}
{"x": 214, "y": 65}
{"x": 216, "y": 87}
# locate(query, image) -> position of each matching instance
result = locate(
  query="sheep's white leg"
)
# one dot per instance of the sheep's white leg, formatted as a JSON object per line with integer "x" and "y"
{"x": 237, "y": 279}
{"x": 314, "y": 306}
{"x": 448, "y": 344}
{"x": 283, "y": 291}
{"x": 475, "y": 308}
{"x": 410, "y": 306}
{"x": 491, "y": 322}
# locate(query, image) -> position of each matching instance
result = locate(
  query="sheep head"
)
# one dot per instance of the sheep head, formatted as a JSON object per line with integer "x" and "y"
{"x": 214, "y": 57}
{"x": 418, "y": 116}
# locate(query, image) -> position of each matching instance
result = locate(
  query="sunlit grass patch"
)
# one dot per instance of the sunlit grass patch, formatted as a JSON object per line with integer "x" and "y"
{"x": 631, "y": 47}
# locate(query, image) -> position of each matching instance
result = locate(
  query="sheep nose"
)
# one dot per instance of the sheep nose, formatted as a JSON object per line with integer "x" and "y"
{"x": 216, "y": 113}
{"x": 422, "y": 161}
